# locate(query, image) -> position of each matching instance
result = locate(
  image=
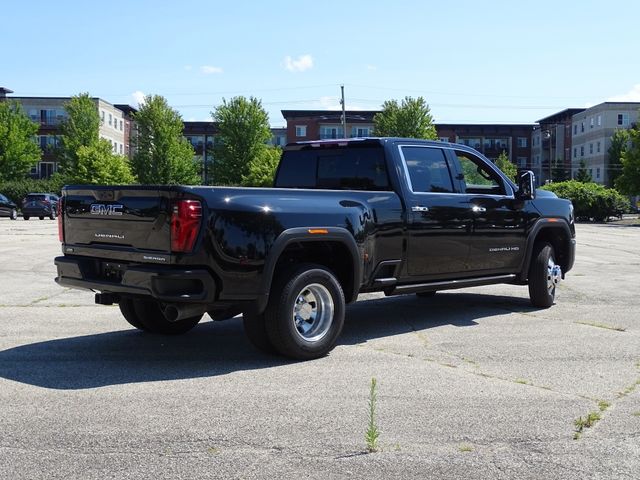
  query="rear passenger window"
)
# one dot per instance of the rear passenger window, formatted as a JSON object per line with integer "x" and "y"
{"x": 428, "y": 170}
{"x": 334, "y": 168}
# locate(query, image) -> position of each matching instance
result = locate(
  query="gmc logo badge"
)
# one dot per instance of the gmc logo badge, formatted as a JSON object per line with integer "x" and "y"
{"x": 100, "y": 209}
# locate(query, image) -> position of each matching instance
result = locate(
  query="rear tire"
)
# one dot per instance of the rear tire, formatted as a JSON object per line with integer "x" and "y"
{"x": 14, "y": 214}
{"x": 305, "y": 313}
{"x": 129, "y": 313}
{"x": 542, "y": 287}
{"x": 150, "y": 315}
{"x": 256, "y": 331}
{"x": 41, "y": 218}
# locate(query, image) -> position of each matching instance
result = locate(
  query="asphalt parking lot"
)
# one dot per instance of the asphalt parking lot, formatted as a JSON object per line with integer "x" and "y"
{"x": 473, "y": 384}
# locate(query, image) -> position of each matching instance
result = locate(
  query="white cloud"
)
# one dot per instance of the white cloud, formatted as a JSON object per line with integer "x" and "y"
{"x": 138, "y": 98}
{"x": 208, "y": 69}
{"x": 632, "y": 95}
{"x": 300, "y": 64}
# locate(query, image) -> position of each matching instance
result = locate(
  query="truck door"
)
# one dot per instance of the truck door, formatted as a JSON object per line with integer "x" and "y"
{"x": 498, "y": 236}
{"x": 438, "y": 220}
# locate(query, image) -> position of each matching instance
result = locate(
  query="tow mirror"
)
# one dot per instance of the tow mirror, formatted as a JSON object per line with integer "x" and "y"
{"x": 527, "y": 186}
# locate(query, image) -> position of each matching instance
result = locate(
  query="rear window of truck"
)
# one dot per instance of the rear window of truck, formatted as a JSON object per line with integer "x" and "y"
{"x": 333, "y": 169}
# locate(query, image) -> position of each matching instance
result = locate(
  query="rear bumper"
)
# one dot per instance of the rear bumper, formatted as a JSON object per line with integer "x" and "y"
{"x": 160, "y": 282}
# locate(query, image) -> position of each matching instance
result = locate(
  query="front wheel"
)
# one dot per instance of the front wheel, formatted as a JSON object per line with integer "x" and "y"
{"x": 544, "y": 276}
{"x": 14, "y": 214}
{"x": 305, "y": 314}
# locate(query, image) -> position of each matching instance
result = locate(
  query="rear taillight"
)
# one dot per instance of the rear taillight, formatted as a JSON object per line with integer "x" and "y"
{"x": 60, "y": 228}
{"x": 186, "y": 217}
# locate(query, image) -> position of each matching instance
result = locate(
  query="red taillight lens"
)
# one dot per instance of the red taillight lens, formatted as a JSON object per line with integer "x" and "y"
{"x": 185, "y": 224}
{"x": 60, "y": 228}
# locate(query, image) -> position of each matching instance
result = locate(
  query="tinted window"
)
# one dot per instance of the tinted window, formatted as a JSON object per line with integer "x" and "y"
{"x": 428, "y": 169}
{"x": 334, "y": 168}
{"x": 479, "y": 178}
{"x": 36, "y": 197}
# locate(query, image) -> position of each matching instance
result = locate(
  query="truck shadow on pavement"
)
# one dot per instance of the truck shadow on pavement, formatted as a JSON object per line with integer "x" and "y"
{"x": 218, "y": 348}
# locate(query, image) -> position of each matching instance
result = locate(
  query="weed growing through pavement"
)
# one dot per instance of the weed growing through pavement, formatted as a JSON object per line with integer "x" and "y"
{"x": 373, "y": 432}
{"x": 586, "y": 422}
{"x": 603, "y": 405}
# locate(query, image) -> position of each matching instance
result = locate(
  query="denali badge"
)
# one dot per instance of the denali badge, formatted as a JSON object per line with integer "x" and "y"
{"x": 109, "y": 235}
{"x": 100, "y": 209}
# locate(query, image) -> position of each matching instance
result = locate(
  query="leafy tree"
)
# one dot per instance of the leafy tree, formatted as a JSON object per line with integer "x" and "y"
{"x": 262, "y": 169}
{"x": 504, "y": 164}
{"x": 619, "y": 142}
{"x": 97, "y": 164}
{"x": 18, "y": 152}
{"x": 411, "y": 118}
{"x": 558, "y": 172}
{"x": 629, "y": 181}
{"x": 81, "y": 128}
{"x": 163, "y": 155}
{"x": 244, "y": 130}
{"x": 582, "y": 175}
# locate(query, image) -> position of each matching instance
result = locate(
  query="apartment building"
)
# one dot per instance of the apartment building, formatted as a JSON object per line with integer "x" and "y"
{"x": 49, "y": 113}
{"x": 324, "y": 124}
{"x": 591, "y": 132}
{"x": 551, "y": 143}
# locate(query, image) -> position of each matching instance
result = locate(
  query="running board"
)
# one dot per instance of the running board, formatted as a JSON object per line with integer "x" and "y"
{"x": 452, "y": 284}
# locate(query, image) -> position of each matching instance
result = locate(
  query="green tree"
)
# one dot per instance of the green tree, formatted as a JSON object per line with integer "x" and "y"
{"x": 629, "y": 181}
{"x": 411, "y": 118}
{"x": 262, "y": 169}
{"x": 18, "y": 152}
{"x": 619, "y": 142}
{"x": 508, "y": 168}
{"x": 558, "y": 172}
{"x": 163, "y": 155}
{"x": 244, "y": 131}
{"x": 80, "y": 128}
{"x": 97, "y": 164}
{"x": 582, "y": 175}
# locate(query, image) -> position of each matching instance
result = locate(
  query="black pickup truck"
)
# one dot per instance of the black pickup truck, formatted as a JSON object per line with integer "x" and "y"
{"x": 344, "y": 217}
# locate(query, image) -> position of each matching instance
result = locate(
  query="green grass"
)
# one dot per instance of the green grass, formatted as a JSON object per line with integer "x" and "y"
{"x": 587, "y": 422}
{"x": 522, "y": 381}
{"x": 603, "y": 405}
{"x": 465, "y": 448}
{"x": 373, "y": 432}
{"x": 602, "y": 325}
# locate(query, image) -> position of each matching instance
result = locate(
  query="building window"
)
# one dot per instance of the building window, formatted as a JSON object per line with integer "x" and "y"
{"x": 582, "y": 150}
{"x": 581, "y": 127}
{"x": 598, "y": 147}
{"x": 575, "y": 152}
{"x": 110, "y": 119}
{"x": 102, "y": 115}
{"x": 522, "y": 162}
{"x": 301, "y": 130}
{"x": 120, "y": 125}
{"x": 360, "y": 132}
{"x": 623, "y": 119}
{"x": 591, "y": 149}
{"x": 591, "y": 122}
{"x": 331, "y": 131}
{"x": 599, "y": 120}
{"x": 591, "y": 172}
{"x": 598, "y": 172}
{"x": 121, "y": 149}
{"x": 522, "y": 142}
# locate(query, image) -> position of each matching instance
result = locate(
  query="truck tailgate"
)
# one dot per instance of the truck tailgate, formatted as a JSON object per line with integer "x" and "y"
{"x": 136, "y": 217}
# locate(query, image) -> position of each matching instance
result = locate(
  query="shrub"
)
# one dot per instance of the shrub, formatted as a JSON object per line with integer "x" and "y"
{"x": 590, "y": 200}
{"x": 16, "y": 190}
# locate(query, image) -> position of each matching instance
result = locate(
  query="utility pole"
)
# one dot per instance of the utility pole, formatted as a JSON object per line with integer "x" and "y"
{"x": 344, "y": 115}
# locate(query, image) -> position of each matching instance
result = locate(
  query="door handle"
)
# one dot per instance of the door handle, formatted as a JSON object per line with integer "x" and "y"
{"x": 477, "y": 209}
{"x": 419, "y": 209}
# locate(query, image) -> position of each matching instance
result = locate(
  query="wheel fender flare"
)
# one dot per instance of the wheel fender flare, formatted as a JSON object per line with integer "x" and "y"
{"x": 539, "y": 226}
{"x": 306, "y": 235}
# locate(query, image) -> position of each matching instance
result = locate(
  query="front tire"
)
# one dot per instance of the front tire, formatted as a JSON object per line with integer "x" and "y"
{"x": 305, "y": 313}
{"x": 544, "y": 276}
{"x": 14, "y": 214}
{"x": 25, "y": 217}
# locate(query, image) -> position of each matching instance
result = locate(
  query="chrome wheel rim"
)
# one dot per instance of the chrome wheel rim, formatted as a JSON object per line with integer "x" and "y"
{"x": 313, "y": 312}
{"x": 554, "y": 275}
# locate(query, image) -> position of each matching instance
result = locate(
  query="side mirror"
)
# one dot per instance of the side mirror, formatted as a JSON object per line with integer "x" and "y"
{"x": 526, "y": 186}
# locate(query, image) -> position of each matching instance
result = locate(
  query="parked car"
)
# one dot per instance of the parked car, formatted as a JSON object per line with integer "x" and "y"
{"x": 8, "y": 208}
{"x": 40, "y": 205}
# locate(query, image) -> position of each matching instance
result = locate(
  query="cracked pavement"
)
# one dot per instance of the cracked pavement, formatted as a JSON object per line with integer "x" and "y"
{"x": 472, "y": 384}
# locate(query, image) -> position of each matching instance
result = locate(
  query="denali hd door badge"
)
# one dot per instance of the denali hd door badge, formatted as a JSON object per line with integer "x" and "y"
{"x": 504, "y": 249}
{"x": 100, "y": 209}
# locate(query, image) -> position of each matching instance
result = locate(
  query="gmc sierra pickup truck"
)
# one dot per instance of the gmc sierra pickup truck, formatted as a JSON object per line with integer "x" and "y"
{"x": 344, "y": 217}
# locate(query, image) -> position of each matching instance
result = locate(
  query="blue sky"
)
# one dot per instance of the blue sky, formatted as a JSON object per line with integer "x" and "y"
{"x": 490, "y": 61}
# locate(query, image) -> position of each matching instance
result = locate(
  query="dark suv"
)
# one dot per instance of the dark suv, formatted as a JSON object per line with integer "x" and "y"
{"x": 8, "y": 208}
{"x": 40, "y": 205}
